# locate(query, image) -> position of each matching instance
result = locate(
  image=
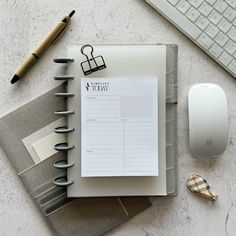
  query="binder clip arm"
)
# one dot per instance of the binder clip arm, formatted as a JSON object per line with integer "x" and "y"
{"x": 92, "y": 63}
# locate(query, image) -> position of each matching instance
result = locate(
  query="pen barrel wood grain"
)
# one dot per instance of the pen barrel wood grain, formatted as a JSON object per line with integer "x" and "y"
{"x": 50, "y": 38}
{"x": 28, "y": 63}
{"x": 44, "y": 45}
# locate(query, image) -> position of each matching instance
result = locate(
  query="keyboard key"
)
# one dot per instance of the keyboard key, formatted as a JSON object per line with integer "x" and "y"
{"x": 221, "y": 39}
{"x": 205, "y": 9}
{"x": 232, "y": 33}
{"x": 205, "y": 41}
{"x": 220, "y": 6}
{"x": 181, "y": 20}
{"x": 224, "y": 25}
{"x": 230, "y": 47}
{"x": 173, "y": 2}
{"x": 232, "y": 3}
{"x": 195, "y": 3}
{"x": 212, "y": 31}
{"x": 192, "y": 14}
{"x": 232, "y": 66}
{"x": 202, "y": 22}
{"x": 215, "y": 17}
{"x": 230, "y": 14}
{"x": 216, "y": 50}
{"x": 211, "y": 2}
{"x": 225, "y": 58}
{"x": 183, "y": 6}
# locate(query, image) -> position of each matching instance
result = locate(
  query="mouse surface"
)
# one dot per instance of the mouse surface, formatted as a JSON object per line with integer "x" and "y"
{"x": 208, "y": 120}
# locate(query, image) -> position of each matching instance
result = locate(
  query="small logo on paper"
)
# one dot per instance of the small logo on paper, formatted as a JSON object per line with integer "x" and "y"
{"x": 87, "y": 86}
{"x": 98, "y": 86}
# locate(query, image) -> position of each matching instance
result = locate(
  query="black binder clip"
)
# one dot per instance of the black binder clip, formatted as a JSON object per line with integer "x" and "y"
{"x": 92, "y": 64}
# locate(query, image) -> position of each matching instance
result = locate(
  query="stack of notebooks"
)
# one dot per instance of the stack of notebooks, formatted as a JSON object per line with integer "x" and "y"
{"x": 120, "y": 126}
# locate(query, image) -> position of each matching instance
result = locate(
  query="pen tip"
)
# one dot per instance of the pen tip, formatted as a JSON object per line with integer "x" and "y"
{"x": 14, "y": 79}
{"x": 72, "y": 13}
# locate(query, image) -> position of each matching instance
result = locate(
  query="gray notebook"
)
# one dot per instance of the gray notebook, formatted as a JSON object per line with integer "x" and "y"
{"x": 125, "y": 62}
{"x": 28, "y": 128}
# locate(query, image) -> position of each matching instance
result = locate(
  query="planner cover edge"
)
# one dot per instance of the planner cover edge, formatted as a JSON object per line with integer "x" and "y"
{"x": 172, "y": 84}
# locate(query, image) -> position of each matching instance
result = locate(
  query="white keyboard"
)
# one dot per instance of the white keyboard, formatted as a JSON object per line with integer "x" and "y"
{"x": 211, "y": 24}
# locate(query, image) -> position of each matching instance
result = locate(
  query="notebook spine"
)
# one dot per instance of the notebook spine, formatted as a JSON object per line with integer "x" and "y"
{"x": 62, "y": 181}
{"x": 171, "y": 119}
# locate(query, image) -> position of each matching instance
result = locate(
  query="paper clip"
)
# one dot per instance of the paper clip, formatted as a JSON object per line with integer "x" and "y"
{"x": 92, "y": 63}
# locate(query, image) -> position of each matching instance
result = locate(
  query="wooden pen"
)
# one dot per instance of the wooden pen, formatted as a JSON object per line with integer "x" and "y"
{"x": 45, "y": 44}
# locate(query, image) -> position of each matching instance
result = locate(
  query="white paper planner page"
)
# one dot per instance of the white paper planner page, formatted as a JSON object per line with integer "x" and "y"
{"x": 119, "y": 127}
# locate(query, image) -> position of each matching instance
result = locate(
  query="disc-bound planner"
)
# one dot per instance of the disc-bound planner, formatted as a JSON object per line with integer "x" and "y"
{"x": 31, "y": 129}
{"x": 138, "y": 84}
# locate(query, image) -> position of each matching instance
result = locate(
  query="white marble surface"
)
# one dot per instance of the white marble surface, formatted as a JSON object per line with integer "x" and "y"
{"x": 24, "y": 23}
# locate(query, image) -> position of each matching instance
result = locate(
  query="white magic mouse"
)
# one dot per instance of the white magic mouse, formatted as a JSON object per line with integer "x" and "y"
{"x": 208, "y": 120}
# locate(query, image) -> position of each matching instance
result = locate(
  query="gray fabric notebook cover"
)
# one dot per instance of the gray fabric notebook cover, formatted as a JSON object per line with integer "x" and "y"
{"x": 65, "y": 216}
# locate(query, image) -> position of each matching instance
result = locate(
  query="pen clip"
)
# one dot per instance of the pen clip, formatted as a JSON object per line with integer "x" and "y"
{"x": 62, "y": 30}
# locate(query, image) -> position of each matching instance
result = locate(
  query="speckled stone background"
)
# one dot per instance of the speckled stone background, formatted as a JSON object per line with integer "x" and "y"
{"x": 24, "y": 23}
